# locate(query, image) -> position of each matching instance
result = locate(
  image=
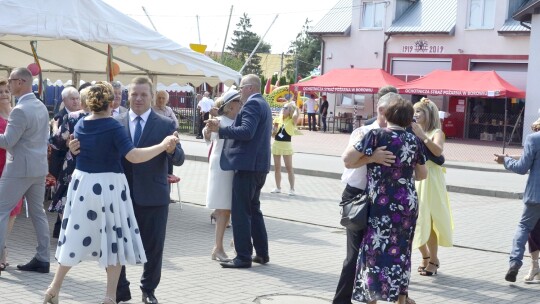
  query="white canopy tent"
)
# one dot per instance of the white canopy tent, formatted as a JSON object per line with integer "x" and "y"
{"x": 72, "y": 38}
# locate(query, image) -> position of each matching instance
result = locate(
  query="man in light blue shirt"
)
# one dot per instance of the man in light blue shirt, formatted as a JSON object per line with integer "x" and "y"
{"x": 528, "y": 162}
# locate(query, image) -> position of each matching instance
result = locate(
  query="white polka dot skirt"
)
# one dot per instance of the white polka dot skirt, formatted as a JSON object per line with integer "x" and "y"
{"x": 99, "y": 223}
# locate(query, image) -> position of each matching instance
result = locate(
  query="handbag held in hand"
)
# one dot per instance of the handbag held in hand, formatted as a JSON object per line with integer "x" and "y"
{"x": 355, "y": 212}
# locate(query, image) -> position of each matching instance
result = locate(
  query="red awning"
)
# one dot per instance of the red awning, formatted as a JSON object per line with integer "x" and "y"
{"x": 359, "y": 81}
{"x": 462, "y": 83}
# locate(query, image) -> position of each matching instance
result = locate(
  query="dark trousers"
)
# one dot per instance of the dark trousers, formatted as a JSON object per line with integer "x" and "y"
{"x": 203, "y": 117}
{"x": 323, "y": 120}
{"x": 354, "y": 238}
{"x": 152, "y": 225}
{"x": 247, "y": 216}
{"x": 311, "y": 117}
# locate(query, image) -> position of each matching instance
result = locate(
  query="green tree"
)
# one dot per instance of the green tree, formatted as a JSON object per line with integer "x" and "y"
{"x": 306, "y": 51}
{"x": 243, "y": 43}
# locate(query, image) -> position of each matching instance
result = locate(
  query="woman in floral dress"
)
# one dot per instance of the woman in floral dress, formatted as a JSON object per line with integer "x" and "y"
{"x": 59, "y": 141}
{"x": 384, "y": 263}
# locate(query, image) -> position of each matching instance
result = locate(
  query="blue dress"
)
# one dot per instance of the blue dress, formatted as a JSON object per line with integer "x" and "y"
{"x": 99, "y": 222}
{"x": 384, "y": 263}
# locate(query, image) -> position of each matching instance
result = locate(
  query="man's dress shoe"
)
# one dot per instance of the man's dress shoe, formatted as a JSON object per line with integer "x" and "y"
{"x": 260, "y": 259}
{"x": 148, "y": 297}
{"x": 235, "y": 263}
{"x": 512, "y": 274}
{"x": 35, "y": 265}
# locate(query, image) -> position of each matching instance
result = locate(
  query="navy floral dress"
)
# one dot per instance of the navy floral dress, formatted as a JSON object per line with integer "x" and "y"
{"x": 383, "y": 269}
{"x": 59, "y": 142}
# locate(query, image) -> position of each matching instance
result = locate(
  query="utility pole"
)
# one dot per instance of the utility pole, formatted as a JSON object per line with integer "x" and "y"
{"x": 198, "y": 30}
{"x": 226, "y": 33}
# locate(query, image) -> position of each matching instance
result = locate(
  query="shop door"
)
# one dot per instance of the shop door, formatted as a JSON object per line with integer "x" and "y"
{"x": 454, "y": 124}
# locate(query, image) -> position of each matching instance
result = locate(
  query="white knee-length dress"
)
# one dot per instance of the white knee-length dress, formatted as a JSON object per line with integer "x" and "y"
{"x": 219, "y": 191}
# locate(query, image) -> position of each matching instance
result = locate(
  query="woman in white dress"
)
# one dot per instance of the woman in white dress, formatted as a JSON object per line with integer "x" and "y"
{"x": 219, "y": 193}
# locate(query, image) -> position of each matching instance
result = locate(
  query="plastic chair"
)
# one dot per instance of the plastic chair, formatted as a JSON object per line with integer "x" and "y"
{"x": 173, "y": 179}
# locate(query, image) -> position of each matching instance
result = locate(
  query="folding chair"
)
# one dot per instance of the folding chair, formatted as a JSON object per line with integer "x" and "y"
{"x": 173, "y": 179}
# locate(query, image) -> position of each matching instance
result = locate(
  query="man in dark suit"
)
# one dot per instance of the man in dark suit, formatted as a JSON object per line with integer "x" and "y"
{"x": 148, "y": 184}
{"x": 247, "y": 151}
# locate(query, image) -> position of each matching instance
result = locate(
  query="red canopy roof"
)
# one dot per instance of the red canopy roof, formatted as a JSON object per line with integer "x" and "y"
{"x": 462, "y": 83}
{"x": 349, "y": 81}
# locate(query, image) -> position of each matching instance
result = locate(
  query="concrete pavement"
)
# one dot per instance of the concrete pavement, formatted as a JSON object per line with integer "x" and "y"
{"x": 307, "y": 247}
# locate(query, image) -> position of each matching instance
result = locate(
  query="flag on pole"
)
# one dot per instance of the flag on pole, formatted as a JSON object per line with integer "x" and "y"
{"x": 110, "y": 73}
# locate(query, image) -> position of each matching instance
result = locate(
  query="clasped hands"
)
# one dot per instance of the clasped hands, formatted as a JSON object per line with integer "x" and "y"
{"x": 169, "y": 142}
{"x": 212, "y": 124}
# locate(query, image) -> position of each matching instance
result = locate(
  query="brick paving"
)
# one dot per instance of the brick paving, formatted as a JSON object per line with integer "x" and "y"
{"x": 307, "y": 247}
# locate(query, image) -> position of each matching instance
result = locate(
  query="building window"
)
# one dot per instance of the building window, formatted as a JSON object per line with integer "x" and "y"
{"x": 373, "y": 14}
{"x": 481, "y": 14}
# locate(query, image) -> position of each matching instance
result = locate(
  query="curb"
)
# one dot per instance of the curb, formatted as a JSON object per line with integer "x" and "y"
{"x": 450, "y": 188}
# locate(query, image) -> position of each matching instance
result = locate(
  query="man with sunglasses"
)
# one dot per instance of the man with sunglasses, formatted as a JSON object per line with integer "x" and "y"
{"x": 25, "y": 140}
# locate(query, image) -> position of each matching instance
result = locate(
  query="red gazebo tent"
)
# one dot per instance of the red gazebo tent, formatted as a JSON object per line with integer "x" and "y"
{"x": 355, "y": 81}
{"x": 483, "y": 84}
{"x": 462, "y": 83}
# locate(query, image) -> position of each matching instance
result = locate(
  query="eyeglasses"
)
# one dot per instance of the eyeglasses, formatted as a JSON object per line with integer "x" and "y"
{"x": 241, "y": 87}
{"x": 285, "y": 108}
{"x": 13, "y": 79}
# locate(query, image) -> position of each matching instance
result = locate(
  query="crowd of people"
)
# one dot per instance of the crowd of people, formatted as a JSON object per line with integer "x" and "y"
{"x": 111, "y": 166}
{"x": 112, "y": 197}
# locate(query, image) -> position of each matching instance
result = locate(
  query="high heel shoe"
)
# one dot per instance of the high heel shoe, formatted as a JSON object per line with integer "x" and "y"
{"x": 422, "y": 268}
{"x": 219, "y": 256}
{"x": 108, "y": 300}
{"x": 534, "y": 274}
{"x": 427, "y": 273}
{"x": 50, "y": 297}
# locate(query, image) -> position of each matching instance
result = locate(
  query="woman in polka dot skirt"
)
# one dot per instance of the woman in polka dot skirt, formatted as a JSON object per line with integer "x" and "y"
{"x": 99, "y": 222}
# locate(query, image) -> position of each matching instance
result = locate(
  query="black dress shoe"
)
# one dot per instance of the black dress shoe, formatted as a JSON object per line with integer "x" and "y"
{"x": 35, "y": 265}
{"x": 511, "y": 274}
{"x": 123, "y": 295}
{"x": 260, "y": 259}
{"x": 148, "y": 297}
{"x": 235, "y": 263}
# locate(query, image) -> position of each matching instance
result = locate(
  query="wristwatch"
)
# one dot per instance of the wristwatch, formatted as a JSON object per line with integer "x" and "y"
{"x": 426, "y": 140}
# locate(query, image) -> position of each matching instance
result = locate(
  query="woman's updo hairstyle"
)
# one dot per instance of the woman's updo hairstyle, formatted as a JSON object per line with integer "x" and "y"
{"x": 100, "y": 96}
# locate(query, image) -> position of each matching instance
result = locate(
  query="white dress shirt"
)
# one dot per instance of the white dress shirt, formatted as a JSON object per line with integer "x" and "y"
{"x": 357, "y": 177}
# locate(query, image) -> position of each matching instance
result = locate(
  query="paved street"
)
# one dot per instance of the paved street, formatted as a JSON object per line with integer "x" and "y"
{"x": 307, "y": 247}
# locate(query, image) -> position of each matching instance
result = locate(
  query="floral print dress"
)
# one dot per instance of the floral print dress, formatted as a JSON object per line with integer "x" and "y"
{"x": 59, "y": 142}
{"x": 383, "y": 269}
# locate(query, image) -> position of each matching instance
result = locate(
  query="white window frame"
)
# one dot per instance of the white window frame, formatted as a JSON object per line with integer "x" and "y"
{"x": 374, "y": 15}
{"x": 483, "y": 16}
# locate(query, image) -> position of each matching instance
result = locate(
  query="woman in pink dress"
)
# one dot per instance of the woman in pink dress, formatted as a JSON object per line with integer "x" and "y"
{"x": 5, "y": 109}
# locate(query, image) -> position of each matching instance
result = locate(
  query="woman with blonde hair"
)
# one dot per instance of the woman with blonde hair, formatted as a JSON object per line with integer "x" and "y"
{"x": 434, "y": 226}
{"x": 220, "y": 182}
{"x": 284, "y": 128}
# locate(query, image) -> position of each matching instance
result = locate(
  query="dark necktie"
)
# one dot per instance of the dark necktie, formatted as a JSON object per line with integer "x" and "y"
{"x": 138, "y": 131}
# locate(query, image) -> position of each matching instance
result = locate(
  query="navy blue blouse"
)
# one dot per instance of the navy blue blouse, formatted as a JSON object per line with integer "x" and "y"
{"x": 103, "y": 144}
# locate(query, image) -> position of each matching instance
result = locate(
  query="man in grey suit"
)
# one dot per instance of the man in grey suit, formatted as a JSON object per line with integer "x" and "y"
{"x": 247, "y": 151}
{"x": 25, "y": 140}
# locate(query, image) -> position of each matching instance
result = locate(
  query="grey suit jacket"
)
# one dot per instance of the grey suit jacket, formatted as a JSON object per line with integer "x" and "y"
{"x": 25, "y": 139}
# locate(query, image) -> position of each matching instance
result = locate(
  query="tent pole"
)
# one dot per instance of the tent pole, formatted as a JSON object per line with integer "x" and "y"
{"x": 505, "y": 122}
